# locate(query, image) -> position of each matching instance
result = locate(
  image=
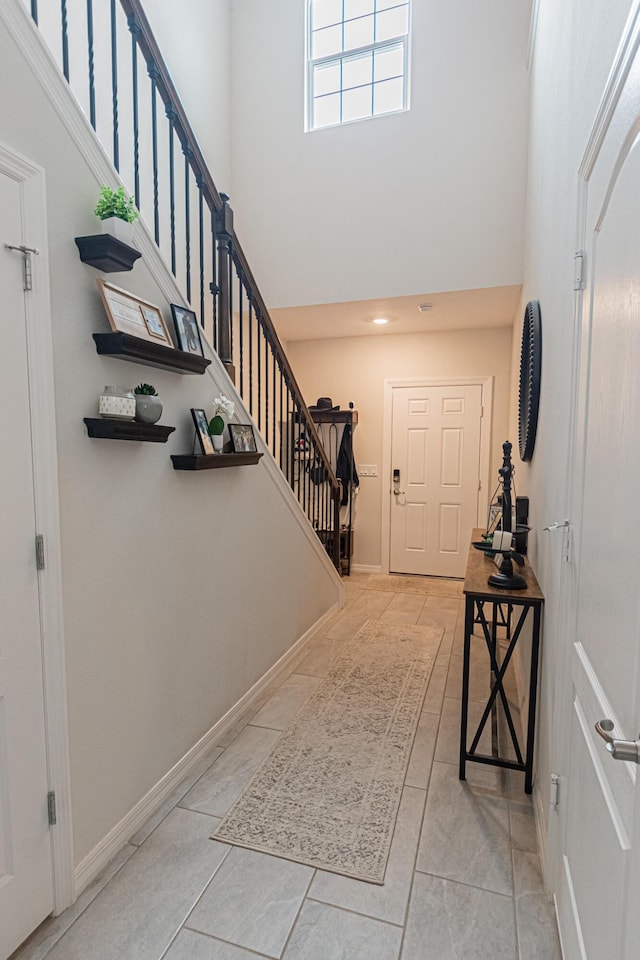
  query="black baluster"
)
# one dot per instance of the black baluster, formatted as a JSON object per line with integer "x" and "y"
{"x": 273, "y": 380}
{"x": 213, "y": 285}
{"x": 171, "y": 116}
{"x": 65, "y": 38}
{"x": 187, "y": 220}
{"x": 267, "y": 346}
{"x": 282, "y": 423}
{"x": 153, "y": 74}
{"x": 134, "y": 29}
{"x": 114, "y": 86}
{"x": 200, "y": 185}
{"x": 231, "y": 267}
{"x": 91, "y": 64}
{"x": 34, "y": 11}
{"x": 241, "y": 331}
{"x": 258, "y": 337}
{"x": 250, "y": 332}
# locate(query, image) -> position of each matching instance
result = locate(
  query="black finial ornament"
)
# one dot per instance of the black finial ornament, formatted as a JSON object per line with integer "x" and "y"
{"x": 506, "y": 579}
{"x": 530, "y": 373}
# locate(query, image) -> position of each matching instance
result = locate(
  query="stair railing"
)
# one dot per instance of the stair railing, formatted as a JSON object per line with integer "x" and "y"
{"x": 128, "y": 96}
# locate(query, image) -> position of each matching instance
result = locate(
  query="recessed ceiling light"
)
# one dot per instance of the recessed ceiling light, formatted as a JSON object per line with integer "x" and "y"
{"x": 425, "y": 307}
{"x": 380, "y": 321}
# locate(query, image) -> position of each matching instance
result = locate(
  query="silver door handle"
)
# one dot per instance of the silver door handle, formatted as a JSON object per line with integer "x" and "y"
{"x": 397, "y": 492}
{"x": 619, "y": 749}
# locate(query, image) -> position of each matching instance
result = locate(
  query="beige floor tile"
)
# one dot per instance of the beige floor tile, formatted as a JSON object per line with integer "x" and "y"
{"x": 443, "y": 603}
{"x": 372, "y": 603}
{"x": 327, "y": 933}
{"x": 523, "y": 826}
{"x": 347, "y": 625}
{"x": 407, "y": 602}
{"x": 451, "y": 921}
{"x": 279, "y": 711}
{"x": 189, "y": 945}
{"x": 435, "y": 690}
{"x": 419, "y": 769}
{"x": 137, "y": 914}
{"x": 49, "y": 932}
{"x": 252, "y": 901}
{"x": 436, "y": 617}
{"x": 389, "y": 901}
{"x": 479, "y": 678}
{"x": 225, "y": 780}
{"x": 320, "y": 657}
{"x": 535, "y": 915}
{"x": 465, "y": 835}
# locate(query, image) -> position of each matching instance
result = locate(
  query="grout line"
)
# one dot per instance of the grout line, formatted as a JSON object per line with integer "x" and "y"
{"x": 303, "y": 900}
{"x": 464, "y": 883}
{"x": 209, "y": 936}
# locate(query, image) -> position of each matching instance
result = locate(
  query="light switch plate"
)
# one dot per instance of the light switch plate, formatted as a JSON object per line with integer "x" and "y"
{"x": 368, "y": 470}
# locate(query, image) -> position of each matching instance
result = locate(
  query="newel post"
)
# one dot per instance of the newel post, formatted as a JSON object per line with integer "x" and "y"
{"x": 224, "y": 235}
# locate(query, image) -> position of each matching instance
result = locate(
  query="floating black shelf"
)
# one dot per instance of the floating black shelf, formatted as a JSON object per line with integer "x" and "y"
{"x": 105, "y": 253}
{"x": 212, "y": 461}
{"x": 105, "y": 428}
{"x": 124, "y": 346}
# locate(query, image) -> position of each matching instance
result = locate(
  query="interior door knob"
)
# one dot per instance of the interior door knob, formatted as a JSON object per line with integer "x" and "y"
{"x": 628, "y": 750}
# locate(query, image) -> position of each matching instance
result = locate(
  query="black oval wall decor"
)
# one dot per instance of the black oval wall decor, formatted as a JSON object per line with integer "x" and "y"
{"x": 530, "y": 372}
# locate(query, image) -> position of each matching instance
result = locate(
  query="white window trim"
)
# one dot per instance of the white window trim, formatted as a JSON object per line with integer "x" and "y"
{"x": 402, "y": 40}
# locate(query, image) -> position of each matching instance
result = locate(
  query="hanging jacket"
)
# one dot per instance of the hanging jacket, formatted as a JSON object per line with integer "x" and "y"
{"x": 346, "y": 464}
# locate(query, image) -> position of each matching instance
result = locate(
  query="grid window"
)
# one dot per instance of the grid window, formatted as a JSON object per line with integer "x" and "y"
{"x": 357, "y": 60}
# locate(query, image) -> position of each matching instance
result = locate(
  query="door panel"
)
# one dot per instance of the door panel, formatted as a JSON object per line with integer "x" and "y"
{"x": 598, "y": 811}
{"x": 26, "y": 891}
{"x": 436, "y": 448}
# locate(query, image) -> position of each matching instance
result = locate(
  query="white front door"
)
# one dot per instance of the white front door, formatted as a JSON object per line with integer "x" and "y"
{"x": 435, "y": 450}
{"x": 26, "y": 888}
{"x": 597, "y": 888}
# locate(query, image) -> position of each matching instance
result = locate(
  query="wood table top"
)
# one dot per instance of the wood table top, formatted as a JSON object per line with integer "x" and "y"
{"x": 480, "y": 567}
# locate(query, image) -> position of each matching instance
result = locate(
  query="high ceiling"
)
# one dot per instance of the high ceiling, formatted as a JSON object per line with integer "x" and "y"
{"x": 459, "y": 310}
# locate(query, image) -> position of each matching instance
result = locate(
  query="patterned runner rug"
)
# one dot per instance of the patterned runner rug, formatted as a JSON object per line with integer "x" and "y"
{"x": 328, "y": 793}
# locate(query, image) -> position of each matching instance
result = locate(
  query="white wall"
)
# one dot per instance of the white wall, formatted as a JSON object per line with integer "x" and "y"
{"x": 180, "y": 589}
{"x": 355, "y": 368}
{"x": 428, "y": 200}
{"x": 575, "y": 46}
{"x": 195, "y": 40}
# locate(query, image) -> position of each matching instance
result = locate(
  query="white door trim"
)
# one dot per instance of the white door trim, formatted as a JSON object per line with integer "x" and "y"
{"x": 485, "y": 445}
{"x": 45, "y": 467}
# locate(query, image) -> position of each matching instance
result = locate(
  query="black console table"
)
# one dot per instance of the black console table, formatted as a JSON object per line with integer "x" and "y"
{"x": 491, "y": 609}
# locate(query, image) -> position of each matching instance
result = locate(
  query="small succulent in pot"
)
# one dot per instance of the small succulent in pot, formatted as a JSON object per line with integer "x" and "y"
{"x": 115, "y": 203}
{"x": 148, "y": 404}
{"x": 117, "y": 212}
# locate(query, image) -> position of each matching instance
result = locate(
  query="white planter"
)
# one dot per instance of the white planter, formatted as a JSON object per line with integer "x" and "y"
{"x": 218, "y": 442}
{"x": 122, "y": 230}
{"x": 148, "y": 408}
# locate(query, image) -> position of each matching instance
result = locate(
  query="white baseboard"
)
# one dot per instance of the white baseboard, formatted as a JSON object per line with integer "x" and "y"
{"x": 365, "y": 568}
{"x": 106, "y": 849}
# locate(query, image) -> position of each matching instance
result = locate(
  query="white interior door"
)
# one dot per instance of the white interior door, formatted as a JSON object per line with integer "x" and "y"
{"x": 598, "y": 891}
{"x": 26, "y": 889}
{"x": 435, "y": 448}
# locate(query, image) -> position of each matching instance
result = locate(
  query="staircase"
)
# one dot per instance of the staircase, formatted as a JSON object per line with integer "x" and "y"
{"x": 109, "y": 57}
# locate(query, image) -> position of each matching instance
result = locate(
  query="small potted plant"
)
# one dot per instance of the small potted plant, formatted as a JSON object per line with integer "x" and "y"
{"x": 216, "y": 424}
{"x": 148, "y": 404}
{"x": 117, "y": 213}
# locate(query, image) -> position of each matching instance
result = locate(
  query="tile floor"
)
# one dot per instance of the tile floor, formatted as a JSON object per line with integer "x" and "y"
{"x": 463, "y": 880}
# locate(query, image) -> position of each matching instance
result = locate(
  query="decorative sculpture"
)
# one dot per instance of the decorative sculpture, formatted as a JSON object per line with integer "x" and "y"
{"x": 506, "y": 579}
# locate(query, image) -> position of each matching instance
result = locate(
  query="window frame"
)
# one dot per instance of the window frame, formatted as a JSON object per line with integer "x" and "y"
{"x": 340, "y": 57}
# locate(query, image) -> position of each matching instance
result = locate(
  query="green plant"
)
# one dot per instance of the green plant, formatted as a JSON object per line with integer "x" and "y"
{"x": 114, "y": 203}
{"x": 146, "y": 390}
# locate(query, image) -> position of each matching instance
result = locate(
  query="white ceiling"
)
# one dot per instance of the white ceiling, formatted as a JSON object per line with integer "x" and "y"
{"x": 459, "y": 310}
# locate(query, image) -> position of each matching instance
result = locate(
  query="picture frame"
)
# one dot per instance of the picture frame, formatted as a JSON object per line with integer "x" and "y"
{"x": 242, "y": 438}
{"x": 133, "y": 315}
{"x": 202, "y": 430}
{"x": 187, "y": 330}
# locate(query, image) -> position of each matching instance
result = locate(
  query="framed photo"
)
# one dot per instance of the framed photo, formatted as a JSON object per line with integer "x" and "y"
{"x": 202, "y": 430}
{"x": 130, "y": 314}
{"x": 187, "y": 330}
{"x": 242, "y": 438}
